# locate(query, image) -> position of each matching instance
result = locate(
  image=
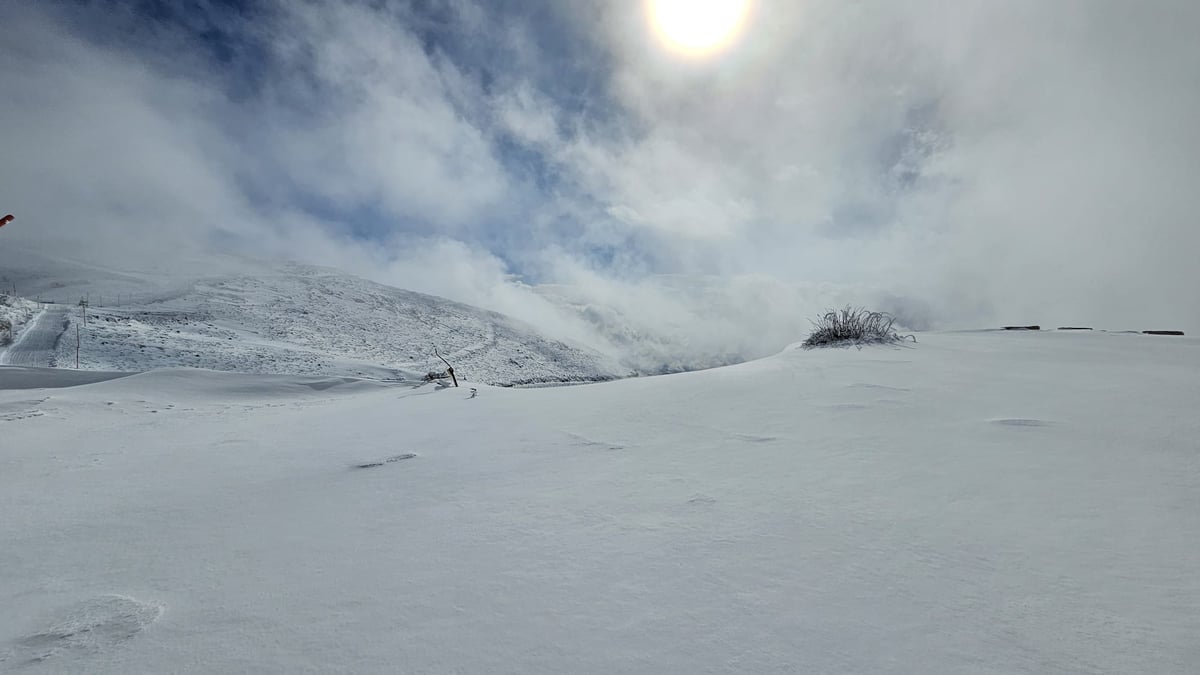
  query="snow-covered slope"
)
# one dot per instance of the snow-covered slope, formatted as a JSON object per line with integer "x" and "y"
{"x": 298, "y": 319}
{"x": 301, "y": 320}
{"x": 271, "y": 317}
{"x": 15, "y": 315}
{"x": 980, "y": 502}
{"x": 677, "y": 323}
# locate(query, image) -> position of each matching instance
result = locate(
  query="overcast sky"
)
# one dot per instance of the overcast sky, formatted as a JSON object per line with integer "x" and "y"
{"x": 992, "y": 161}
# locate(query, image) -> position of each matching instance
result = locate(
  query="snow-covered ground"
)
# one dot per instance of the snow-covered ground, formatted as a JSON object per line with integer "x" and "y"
{"x": 39, "y": 340}
{"x": 306, "y": 320}
{"x": 291, "y": 319}
{"x": 229, "y": 313}
{"x": 982, "y": 502}
{"x": 676, "y": 323}
{"x": 15, "y": 314}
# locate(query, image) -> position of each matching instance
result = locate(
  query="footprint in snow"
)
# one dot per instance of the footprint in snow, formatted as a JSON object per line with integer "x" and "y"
{"x": 85, "y": 628}
{"x": 1020, "y": 422}
{"x": 389, "y": 460}
{"x": 751, "y": 438}
{"x": 847, "y": 406}
{"x": 20, "y": 415}
{"x": 19, "y": 410}
{"x": 870, "y": 385}
{"x": 592, "y": 443}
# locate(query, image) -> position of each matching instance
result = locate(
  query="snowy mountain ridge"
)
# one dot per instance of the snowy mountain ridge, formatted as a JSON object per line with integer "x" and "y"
{"x": 298, "y": 319}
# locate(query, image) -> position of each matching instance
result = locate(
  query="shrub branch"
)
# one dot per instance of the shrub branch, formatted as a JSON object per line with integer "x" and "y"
{"x": 854, "y": 326}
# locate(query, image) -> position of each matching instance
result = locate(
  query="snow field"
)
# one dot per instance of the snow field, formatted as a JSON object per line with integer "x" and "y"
{"x": 309, "y": 321}
{"x": 980, "y": 502}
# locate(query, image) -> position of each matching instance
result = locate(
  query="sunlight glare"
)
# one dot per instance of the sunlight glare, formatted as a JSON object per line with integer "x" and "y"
{"x": 697, "y": 27}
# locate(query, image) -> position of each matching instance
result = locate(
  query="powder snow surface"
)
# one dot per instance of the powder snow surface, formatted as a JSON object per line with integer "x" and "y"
{"x": 976, "y": 503}
{"x": 298, "y": 319}
{"x": 15, "y": 314}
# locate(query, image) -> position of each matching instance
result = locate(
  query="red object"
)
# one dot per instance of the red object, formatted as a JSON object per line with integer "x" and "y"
{"x": 6, "y": 220}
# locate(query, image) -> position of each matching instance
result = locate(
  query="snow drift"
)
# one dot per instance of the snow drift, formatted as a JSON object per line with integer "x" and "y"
{"x": 980, "y": 502}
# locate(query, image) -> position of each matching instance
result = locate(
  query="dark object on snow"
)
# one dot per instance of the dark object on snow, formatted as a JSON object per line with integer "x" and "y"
{"x": 853, "y": 326}
{"x": 449, "y": 368}
{"x": 1072, "y": 328}
{"x": 1022, "y": 328}
{"x": 1162, "y": 332}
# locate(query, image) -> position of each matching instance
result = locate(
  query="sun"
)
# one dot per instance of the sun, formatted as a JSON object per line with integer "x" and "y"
{"x": 697, "y": 27}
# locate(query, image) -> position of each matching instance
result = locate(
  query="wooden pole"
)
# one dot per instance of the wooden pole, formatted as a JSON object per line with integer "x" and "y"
{"x": 76, "y": 346}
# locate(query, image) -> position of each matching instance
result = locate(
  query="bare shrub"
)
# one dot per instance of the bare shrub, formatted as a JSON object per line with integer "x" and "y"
{"x": 854, "y": 326}
{"x": 449, "y": 368}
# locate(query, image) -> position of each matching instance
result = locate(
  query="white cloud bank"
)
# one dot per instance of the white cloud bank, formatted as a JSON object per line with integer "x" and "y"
{"x": 981, "y": 161}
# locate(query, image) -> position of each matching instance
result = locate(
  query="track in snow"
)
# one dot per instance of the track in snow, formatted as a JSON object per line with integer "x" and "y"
{"x": 37, "y": 343}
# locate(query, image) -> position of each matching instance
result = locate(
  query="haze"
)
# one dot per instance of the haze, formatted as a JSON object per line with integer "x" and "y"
{"x": 960, "y": 163}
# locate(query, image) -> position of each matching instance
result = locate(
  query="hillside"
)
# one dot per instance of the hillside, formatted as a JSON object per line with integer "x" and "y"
{"x": 979, "y": 502}
{"x": 676, "y": 323}
{"x": 254, "y": 316}
{"x": 297, "y": 319}
{"x": 15, "y": 313}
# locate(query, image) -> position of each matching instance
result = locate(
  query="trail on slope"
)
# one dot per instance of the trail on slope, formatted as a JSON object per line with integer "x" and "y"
{"x": 305, "y": 321}
{"x": 37, "y": 343}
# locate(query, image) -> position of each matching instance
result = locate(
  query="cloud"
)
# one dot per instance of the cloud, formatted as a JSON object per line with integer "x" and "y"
{"x": 387, "y": 126}
{"x": 964, "y": 163}
{"x": 99, "y": 150}
{"x": 1002, "y": 160}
